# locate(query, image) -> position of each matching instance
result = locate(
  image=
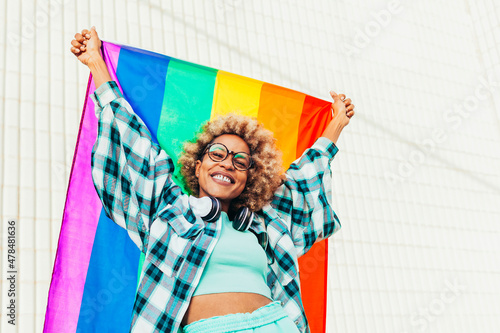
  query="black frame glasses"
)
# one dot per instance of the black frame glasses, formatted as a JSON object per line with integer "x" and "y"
{"x": 220, "y": 155}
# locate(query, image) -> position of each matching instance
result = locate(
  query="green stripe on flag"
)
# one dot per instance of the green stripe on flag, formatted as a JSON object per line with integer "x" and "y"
{"x": 187, "y": 104}
{"x": 141, "y": 262}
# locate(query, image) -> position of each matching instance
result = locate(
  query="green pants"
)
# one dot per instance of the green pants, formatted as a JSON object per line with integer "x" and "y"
{"x": 270, "y": 318}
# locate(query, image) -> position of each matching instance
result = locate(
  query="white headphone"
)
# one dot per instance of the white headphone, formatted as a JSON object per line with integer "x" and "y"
{"x": 209, "y": 209}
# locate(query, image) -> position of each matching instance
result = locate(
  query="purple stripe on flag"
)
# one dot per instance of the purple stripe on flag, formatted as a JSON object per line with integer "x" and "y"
{"x": 111, "y": 54}
{"x": 78, "y": 230}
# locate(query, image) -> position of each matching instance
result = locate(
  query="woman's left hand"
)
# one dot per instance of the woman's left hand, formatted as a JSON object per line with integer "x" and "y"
{"x": 342, "y": 108}
{"x": 342, "y": 111}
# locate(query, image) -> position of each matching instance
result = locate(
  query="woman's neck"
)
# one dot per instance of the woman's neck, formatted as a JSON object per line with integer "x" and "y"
{"x": 225, "y": 206}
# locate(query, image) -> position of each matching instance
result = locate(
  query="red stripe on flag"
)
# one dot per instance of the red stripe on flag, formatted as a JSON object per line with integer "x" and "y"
{"x": 313, "y": 265}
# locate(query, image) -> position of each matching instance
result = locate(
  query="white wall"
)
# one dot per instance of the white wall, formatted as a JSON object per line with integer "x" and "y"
{"x": 417, "y": 176}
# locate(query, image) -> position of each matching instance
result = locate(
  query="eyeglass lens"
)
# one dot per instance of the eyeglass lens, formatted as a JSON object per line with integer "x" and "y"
{"x": 218, "y": 152}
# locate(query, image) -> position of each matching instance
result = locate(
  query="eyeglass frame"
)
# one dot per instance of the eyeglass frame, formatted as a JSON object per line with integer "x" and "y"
{"x": 228, "y": 152}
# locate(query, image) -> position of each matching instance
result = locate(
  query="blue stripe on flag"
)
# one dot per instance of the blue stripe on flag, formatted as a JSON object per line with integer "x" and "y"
{"x": 110, "y": 286}
{"x": 142, "y": 77}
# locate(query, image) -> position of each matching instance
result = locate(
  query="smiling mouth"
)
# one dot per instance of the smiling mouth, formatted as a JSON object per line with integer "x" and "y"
{"x": 223, "y": 178}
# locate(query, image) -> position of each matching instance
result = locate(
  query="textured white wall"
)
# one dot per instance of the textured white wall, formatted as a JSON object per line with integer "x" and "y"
{"x": 417, "y": 176}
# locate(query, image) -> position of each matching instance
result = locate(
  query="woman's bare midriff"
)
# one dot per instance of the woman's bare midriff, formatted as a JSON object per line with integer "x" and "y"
{"x": 211, "y": 305}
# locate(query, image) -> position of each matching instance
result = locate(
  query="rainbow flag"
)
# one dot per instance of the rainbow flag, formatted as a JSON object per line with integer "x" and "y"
{"x": 96, "y": 268}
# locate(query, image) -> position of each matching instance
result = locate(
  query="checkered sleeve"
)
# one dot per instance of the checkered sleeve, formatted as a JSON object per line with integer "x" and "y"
{"x": 130, "y": 172}
{"x": 304, "y": 201}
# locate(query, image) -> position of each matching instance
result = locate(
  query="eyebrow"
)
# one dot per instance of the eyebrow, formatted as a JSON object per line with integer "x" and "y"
{"x": 236, "y": 151}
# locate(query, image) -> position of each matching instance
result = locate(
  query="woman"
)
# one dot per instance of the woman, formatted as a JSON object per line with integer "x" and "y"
{"x": 204, "y": 272}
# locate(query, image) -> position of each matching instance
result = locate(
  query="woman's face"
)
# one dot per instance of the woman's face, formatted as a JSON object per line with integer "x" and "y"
{"x": 221, "y": 179}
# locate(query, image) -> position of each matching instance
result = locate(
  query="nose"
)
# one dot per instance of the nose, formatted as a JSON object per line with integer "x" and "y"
{"x": 227, "y": 163}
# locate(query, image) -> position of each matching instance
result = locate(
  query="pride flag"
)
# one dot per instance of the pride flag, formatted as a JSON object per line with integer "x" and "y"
{"x": 96, "y": 268}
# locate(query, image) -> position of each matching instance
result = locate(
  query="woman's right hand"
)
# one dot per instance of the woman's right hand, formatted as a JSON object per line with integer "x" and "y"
{"x": 86, "y": 46}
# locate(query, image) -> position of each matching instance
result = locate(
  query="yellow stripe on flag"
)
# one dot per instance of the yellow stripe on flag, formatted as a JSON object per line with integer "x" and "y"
{"x": 235, "y": 93}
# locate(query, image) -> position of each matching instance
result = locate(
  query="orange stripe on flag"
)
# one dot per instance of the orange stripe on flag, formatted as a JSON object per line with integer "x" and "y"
{"x": 280, "y": 111}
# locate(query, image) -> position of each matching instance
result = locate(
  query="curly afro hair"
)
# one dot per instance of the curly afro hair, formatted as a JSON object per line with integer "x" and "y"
{"x": 266, "y": 174}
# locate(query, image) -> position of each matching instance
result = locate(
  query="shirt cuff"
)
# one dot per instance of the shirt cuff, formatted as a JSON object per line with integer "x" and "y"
{"x": 105, "y": 94}
{"x": 326, "y": 146}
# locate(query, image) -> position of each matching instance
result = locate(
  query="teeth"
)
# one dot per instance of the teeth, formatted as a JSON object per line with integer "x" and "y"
{"x": 223, "y": 178}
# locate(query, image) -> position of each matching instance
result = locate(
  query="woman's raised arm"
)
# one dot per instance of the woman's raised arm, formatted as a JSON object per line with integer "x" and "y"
{"x": 304, "y": 199}
{"x": 131, "y": 173}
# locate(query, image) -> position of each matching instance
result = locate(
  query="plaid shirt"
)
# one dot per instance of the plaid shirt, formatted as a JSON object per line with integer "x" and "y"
{"x": 133, "y": 177}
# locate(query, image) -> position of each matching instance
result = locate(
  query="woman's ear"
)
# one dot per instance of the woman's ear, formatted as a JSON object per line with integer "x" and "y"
{"x": 197, "y": 169}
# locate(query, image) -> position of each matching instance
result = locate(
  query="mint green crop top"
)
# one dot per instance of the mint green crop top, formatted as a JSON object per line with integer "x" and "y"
{"x": 237, "y": 264}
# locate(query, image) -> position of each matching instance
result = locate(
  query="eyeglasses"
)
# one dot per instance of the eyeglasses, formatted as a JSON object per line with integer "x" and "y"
{"x": 218, "y": 153}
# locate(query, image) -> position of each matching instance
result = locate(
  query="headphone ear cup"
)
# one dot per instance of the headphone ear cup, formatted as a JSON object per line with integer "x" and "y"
{"x": 243, "y": 219}
{"x": 214, "y": 213}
